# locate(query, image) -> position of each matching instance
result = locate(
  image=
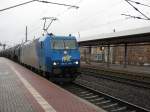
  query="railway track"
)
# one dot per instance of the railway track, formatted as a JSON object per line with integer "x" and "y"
{"x": 105, "y": 101}
{"x": 116, "y": 77}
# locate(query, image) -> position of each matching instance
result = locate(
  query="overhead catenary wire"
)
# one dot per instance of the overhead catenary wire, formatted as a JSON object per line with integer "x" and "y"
{"x": 41, "y": 1}
{"x": 100, "y": 13}
{"x": 139, "y": 3}
{"x": 137, "y": 10}
{"x": 58, "y": 3}
{"x": 135, "y": 17}
{"x": 56, "y": 17}
{"x": 102, "y": 25}
{"x": 17, "y": 5}
{"x": 55, "y": 3}
{"x": 59, "y": 14}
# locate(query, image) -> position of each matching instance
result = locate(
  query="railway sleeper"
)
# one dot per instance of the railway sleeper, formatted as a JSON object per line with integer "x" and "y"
{"x": 87, "y": 94}
{"x": 83, "y": 92}
{"x": 91, "y": 97}
{"x": 119, "y": 109}
{"x": 80, "y": 94}
{"x": 103, "y": 102}
{"x": 97, "y": 99}
{"x": 75, "y": 89}
{"x": 110, "y": 105}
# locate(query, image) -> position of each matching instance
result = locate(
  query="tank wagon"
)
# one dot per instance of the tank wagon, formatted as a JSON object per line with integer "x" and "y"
{"x": 57, "y": 57}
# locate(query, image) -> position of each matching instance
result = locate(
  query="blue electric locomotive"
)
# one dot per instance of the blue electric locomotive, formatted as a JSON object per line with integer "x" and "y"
{"x": 56, "y": 56}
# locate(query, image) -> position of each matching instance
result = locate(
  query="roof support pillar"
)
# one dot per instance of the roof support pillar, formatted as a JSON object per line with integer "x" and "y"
{"x": 108, "y": 55}
{"x": 89, "y": 54}
{"x": 125, "y": 55}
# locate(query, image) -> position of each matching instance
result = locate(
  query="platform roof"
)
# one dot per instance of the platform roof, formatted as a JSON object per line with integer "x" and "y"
{"x": 138, "y": 35}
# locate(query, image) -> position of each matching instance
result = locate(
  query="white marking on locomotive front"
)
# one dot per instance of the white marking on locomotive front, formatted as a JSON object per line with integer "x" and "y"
{"x": 44, "y": 104}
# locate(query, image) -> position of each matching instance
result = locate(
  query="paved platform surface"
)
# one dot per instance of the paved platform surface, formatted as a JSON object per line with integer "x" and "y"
{"x": 21, "y": 90}
{"x": 129, "y": 68}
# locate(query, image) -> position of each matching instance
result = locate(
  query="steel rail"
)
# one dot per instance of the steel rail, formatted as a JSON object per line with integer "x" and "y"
{"x": 103, "y": 100}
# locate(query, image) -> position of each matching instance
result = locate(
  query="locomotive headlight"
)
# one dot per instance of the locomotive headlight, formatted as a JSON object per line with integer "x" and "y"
{"x": 65, "y": 52}
{"x": 76, "y": 62}
{"x": 54, "y": 63}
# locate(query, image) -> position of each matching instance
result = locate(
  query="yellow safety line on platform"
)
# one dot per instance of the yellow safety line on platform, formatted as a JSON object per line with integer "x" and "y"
{"x": 44, "y": 104}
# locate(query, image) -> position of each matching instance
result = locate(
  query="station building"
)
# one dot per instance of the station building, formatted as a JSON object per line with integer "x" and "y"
{"x": 137, "y": 53}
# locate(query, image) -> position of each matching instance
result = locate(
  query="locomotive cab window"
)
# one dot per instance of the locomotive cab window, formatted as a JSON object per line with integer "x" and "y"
{"x": 70, "y": 44}
{"x": 64, "y": 44}
{"x": 57, "y": 44}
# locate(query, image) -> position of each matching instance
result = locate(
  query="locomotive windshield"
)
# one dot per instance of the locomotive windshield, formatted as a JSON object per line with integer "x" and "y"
{"x": 63, "y": 44}
{"x": 58, "y": 44}
{"x": 70, "y": 44}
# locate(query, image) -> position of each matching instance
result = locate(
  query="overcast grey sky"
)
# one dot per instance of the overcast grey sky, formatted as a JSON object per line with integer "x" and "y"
{"x": 93, "y": 17}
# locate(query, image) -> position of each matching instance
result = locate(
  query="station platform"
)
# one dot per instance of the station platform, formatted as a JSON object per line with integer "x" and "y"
{"x": 21, "y": 90}
{"x": 137, "y": 70}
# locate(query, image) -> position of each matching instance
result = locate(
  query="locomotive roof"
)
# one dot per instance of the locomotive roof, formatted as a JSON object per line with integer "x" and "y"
{"x": 56, "y": 37}
{"x": 64, "y": 37}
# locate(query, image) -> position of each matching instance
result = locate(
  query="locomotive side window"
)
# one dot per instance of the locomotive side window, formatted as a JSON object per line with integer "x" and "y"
{"x": 41, "y": 45}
